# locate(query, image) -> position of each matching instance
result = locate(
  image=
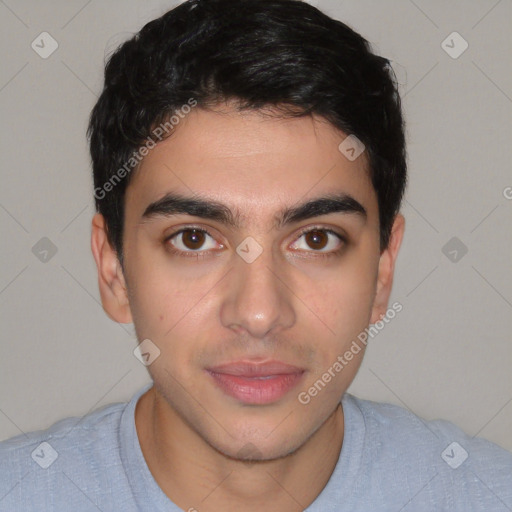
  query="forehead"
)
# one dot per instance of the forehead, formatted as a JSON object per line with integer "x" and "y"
{"x": 254, "y": 163}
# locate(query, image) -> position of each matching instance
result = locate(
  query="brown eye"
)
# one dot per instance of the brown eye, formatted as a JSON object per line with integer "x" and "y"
{"x": 317, "y": 239}
{"x": 193, "y": 238}
{"x": 321, "y": 240}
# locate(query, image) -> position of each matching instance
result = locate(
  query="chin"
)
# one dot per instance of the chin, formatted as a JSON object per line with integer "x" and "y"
{"x": 257, "y": 448}
{"x": 251, "y": 453}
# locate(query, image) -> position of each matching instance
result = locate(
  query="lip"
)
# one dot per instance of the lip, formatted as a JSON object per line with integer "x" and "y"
{"x": 256, "y": 383}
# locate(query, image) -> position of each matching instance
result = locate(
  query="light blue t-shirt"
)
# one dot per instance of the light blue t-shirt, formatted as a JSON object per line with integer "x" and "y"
{"x": 391, "y": 460}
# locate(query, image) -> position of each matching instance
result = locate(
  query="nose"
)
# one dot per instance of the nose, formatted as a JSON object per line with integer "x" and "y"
{"x": 257, "y": 297}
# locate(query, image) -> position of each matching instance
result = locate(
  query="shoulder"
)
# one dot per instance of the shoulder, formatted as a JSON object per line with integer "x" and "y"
{"x": 463, "y": 470}
{"x": 394, "y": 424}
{"x": 72, "y": 452}
{"x": 90, "y": 429}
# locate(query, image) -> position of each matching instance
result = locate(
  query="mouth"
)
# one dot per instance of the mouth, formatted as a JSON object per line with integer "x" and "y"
{"x": 256, "y": 383}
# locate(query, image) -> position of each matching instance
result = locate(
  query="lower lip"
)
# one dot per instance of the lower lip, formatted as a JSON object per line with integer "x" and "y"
{"x": 254, "y": 390}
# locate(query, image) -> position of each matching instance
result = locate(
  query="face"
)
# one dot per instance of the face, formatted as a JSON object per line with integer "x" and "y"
{"x": 250, "y": 306}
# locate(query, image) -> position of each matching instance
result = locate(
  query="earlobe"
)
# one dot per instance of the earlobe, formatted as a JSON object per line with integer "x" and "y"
{"x": 111, "y": 280}
{"x": 387, "y": 268}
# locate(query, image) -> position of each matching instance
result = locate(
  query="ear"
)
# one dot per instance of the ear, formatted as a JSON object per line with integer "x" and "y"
{"x": 387, "y": 269}
{"x": 111, "y": 281}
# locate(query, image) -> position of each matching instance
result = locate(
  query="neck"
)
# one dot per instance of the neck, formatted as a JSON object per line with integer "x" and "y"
{"x": 195, "y": 476}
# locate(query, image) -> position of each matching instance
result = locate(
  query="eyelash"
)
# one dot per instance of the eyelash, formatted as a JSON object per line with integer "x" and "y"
{"x": 202, "y": 254}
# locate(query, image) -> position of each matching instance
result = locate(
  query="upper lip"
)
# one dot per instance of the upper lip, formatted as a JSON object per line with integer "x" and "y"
{"x": 253, "y": 369}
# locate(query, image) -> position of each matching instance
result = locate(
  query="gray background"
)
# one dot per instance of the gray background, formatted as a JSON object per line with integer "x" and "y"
{"x": 446, "y": 355}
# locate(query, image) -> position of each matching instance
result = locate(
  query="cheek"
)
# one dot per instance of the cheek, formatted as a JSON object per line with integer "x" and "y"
{"x": 157, "y": 300}
{"x": 172, "y": 309}
{"x": 343, "y": 298}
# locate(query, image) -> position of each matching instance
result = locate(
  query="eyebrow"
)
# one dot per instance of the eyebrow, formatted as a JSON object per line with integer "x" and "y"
{"x": 176, "y": 204}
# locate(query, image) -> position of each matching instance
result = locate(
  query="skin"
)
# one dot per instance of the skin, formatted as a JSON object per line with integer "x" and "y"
{"x": 290, "y": 304}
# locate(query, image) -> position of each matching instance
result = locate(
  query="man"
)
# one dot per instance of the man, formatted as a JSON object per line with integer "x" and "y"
{"x": 249, "y": 165}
